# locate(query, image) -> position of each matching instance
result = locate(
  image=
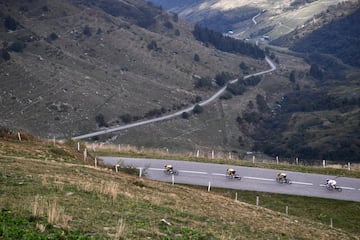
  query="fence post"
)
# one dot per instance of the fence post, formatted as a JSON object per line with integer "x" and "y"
{"x": 95, "y": 162}
{"x": 19, "y": 136}
{"x": 349, "y": 166}
{"x": 209, "y": 186}
{"x": 297, "y": 161}
{"x": 253, "y": 160}
{"x": 54, "y": 141}
{"x": 236, "y": 196}
{"x": 287, "y": 210}
{"x": 324, "y": 163}
{"x": 172, "y": 179}
{"x": 116, "y": 167}
{"x": 257, "y": 200}
{"x": 197, "y": 153}
{"x": 212, "y": 154}
{"x": 277, "y": 159}
{"x": 78, "y": 146}
{"x": 331, "y": 222}
{"x": 229, "y": 155}
{"x": 140, "y": 172}
{"x": 85, "y": 154}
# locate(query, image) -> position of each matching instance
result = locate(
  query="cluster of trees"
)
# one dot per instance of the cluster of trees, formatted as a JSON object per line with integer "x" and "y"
{"x": 227, "y": 44}
{"x": 268, "y": 131}
{"x": 339, "y": 38}
{"x": 305, "y": 101}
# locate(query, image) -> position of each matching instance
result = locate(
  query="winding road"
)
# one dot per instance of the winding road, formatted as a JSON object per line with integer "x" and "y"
{"x": 172, "y": 115}
{"x": 253, "y": 179}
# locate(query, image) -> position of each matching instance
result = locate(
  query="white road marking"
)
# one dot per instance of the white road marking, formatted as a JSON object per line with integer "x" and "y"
{"x": 156, "y": 169}
{"x": 221, "y": 174}
{"x": 185, "y": 171}
{"x": 264, "y": 179}
{"x": 302, "y": 183}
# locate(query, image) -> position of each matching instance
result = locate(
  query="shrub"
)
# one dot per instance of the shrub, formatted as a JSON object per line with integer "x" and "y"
{"x": 100, "y": 120}
{"x": 10, "y": 23}
{"x": 203, "y": 82}
{"x": 52, "y": 37}
{"x": 5, "y": 55}
{"x": 197, "y": 109}
{"x": 17, "y": 46}
{"x": 185, "y": 115}
{"x": 126, "y": 118}
{"x": 196, "y": 57}
{"x": 87, "y": 31}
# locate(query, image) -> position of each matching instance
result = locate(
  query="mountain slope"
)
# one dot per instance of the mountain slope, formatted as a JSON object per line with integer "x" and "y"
{"x": 69, "y": 67}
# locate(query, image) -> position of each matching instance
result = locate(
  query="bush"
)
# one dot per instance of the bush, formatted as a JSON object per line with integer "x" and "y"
{"x": 52, "y": 37}
{"x": 100, "y": 120}
{"x": 196, "y": 57}
{"x": 197, "y": 109}
{"x": 17, "y": 46}
{"x": 203, "y": 82}
{"x": 236, "y": 88}
{"x": 10, "y": 23}
{"x": 126, "y": 118}
{"x": 5, "y": 55}
{"x": 87, "y": 31}
{"x": 185, "y": 115}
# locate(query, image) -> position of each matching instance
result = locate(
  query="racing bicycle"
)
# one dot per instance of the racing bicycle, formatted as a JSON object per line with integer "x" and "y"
{"x": 283, "y": 180}
{"x": 233, "y": 176}
{"x": 332, "y": 188}
{"x": 171, "y": 172}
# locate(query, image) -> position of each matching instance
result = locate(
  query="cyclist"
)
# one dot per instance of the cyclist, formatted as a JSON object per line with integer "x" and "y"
{"x": 168, "y": 167}
{"x": 331, "y": 183}
{"x": 231, "y": 172}
{"x": 281, "y": 175}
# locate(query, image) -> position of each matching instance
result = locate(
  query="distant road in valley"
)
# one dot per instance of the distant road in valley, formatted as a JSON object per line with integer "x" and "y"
{"x": 172, "y": 115}
{"x": 253, "y": 179}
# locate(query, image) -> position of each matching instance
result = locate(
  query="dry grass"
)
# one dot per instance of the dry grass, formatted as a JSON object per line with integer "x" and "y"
{"x": 94, "y": 199}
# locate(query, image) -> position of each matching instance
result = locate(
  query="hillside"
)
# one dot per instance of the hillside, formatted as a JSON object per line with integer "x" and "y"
{"x": 79, "y": 66}
{"x": 50, "y": 192}
{"x": 274, "y": 18}
{"x": 70, "y": 68}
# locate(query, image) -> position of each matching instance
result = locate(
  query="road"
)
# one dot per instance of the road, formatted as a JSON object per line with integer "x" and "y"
{"x": 172, "y": 115}
{"x": 253, "y": 179}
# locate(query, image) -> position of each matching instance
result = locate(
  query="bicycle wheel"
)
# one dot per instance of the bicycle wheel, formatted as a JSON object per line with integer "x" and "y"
{"x": 237, "y": 177}
{"x": 174, "y": 172}
{"x": 330, "y": 188}
{"x": 288, "y": 181}
{"x": 339, "y": 189}
{"x": 167, "y": 172}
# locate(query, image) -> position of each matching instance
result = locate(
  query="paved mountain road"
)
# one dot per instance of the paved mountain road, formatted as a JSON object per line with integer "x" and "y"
{"x": 254, "y": 179}
{"x": 172, "y": 115}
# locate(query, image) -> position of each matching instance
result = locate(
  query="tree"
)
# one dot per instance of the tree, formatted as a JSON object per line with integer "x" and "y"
{"x": 196, "y": 57}
{"x": 100, "y": 120}
{"x": 185, "y": 115}
{"x": 316, "y": 72}
{"x": 5, "y": 55}
{"x": 126, "y": 118}
{"x": 292, "y": 76}
{"x": 10, "y": 23}
{"x": 197, "y": 109}
{"x": 87, "y": 31}
{"x": 17, "y": 46}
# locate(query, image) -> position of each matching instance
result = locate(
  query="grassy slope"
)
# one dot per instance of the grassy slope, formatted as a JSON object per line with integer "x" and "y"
{"x": 37, "y": 176}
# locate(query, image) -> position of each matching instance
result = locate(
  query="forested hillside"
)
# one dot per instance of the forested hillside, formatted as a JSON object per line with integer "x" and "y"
{"x": 339, "y": 38}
